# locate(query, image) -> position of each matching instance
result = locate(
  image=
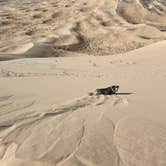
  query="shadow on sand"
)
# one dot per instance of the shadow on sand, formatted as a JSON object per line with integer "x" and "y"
{"x": 123, "y": 93}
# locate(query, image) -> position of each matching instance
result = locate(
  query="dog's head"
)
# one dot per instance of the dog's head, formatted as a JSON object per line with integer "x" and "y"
{"x": 115, "y": 88}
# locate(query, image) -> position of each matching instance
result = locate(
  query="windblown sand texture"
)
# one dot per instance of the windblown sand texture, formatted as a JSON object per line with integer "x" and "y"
{"x": 38, "y": 28}
{"x": 49, "y": 112}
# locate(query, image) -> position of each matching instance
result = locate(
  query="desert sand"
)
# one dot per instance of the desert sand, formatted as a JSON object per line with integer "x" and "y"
{"x": 47, "y": 115}
{"x": 38, "y": 28}
{"x": 58, "y": 53}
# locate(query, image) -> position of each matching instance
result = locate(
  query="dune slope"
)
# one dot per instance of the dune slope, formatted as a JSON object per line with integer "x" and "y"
{"x": 31, "y": 28}
{"x": 47, "y": 116}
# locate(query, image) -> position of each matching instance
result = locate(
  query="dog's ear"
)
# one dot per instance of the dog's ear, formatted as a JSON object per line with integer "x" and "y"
{"x": 113, "y": 86}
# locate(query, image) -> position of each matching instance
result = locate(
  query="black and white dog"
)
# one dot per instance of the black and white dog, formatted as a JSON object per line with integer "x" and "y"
{"x": 108, "y": 91}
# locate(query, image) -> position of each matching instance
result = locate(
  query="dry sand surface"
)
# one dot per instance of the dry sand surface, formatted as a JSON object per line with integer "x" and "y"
{"x": 48, "y": 71}
{"x": 47, "y": 28}
{"x": 48, "y": 118}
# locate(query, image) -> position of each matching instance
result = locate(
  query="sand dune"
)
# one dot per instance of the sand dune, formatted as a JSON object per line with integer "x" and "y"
{"x": 94, "y": 27}
{"x": 50, "y": 114}
{"x": 48, "y": 118}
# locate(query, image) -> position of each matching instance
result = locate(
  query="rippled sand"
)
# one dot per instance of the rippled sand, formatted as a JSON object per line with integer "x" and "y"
{"x": 47, "y": 116}
{"x": 56, "y": 28}
{"x": 50, "y": 114}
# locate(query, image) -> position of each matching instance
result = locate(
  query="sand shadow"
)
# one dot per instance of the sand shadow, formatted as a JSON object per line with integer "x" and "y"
{"x": 123, "y": 93}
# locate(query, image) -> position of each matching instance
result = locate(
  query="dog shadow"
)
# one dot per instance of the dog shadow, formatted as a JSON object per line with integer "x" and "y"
{"x": 123, "y": 93}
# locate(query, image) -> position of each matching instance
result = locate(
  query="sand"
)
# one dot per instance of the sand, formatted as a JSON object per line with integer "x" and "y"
{"x": 54, "y": 55}
{"x": 48, "y": 118}
{"x": 92, "y": 27}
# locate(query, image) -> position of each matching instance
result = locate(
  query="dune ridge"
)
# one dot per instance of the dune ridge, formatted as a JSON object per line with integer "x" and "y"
{"x": 54, "y": 28}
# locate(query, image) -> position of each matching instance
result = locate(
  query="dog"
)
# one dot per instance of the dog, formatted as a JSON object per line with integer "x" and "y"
{"x": 108, "y": 91}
